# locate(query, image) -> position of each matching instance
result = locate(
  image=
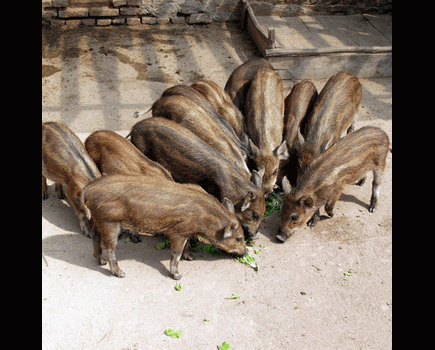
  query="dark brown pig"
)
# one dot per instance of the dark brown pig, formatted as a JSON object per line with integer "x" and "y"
{"x": 191, "y": 160}
{"x": 265, "y": 123}
{"x": 297, "y": 106}
{"x": 65, "y": 161}
{"x": 180, "y": 211}
{"x": 347, "y": 162}
{"x": 187, "y": 113}
{"x": 114, "y": 155}
{"x": 239, "y": 81}
{"x": 332, "y": 114}
{"x": 222, "y": 103}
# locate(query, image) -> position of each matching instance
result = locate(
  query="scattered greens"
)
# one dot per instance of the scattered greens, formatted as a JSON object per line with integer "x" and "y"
{"x": 177, "y": 286}
{"x": 206, "y": 321}
{"x": 165, "y": 243}
{"x": 173, "y": 334}
{"x": 234, "y": 296}
{"x": 249, "y": 259}
{"x": 224, "y": 346}
{"x": 274, "y": 203}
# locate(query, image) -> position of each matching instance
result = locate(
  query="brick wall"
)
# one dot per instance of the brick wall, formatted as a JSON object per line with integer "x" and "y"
{"x": 148, "y": 12}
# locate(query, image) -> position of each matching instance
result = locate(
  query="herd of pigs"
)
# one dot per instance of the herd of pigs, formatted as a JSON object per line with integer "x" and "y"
{"x": 205, "y": 161}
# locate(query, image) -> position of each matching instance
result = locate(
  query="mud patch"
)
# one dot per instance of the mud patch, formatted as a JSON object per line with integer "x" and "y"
{"x": 48, "y": 70}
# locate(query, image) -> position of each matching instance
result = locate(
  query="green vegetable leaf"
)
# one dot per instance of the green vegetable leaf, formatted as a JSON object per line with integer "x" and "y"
{"x": 173, "y": 334}
{"x": 177, "y": 286}
{"x": 234, "y": 296}
{"x": 224, "y": 346}
{"x": 206, "y": 321}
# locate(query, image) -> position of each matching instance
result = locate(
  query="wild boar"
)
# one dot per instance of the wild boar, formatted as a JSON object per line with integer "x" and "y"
{"x": 191, "y": 160}
{"x": 114, "y": 155}
{"x": 180, "y": 211}
{"x": 187, "y": 113}
{"x": 239, "y": 81}
{"x": 344, "y": 163}
{"x": 265, "y": 124}
{"x": 222, "y": 103}
{"x": 65, "y": 161}
{"x": 333, "y": 112}
{"x": 297, "y": 106}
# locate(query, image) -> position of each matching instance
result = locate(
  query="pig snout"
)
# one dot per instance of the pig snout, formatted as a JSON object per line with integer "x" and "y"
{"x": 283, "y": 236}
{"x": 240, "y": 252}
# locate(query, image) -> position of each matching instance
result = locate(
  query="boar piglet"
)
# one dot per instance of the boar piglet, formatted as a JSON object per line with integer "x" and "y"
{"x": 191, "y": 160}
{"x": 187, "y": 113}
{"x": 347, "y": 162}
{"x": 180, "y": 211}
{"x": 222, "y": 103}
{"x": 297, "y": 106}
{"x": 114, "y": 155}
{"x": 65, "y": 161}
{"x": 333, "y": 113}
{"x": 265, "y": 123}
{"x": 239, "y": 81}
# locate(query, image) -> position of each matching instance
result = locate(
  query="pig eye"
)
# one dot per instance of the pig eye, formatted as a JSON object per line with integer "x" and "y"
{"x": 255, "y": 215}
{"x": 239, "y": 239}
{"x": 294, "y": 217}
{"x": 275, "y": 172}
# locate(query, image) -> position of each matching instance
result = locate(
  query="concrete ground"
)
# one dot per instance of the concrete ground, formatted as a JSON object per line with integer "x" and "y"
{"x": 328, "y": 287}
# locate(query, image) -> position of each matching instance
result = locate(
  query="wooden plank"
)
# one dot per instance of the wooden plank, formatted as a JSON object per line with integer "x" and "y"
{"x": 328, "y": 51}
{"x": 255, "y": 31}
{"x": 323, "y": 67}
{"x": 382, "y": 23}
{"x": 336, "y": 25}
{"x": 319, "y": 35}
{"x": 363, "y": 32}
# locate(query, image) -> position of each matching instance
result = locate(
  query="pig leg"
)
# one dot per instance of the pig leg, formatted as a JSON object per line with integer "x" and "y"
{"x": 73, "y": 194}
{"x": 330, "y": 204}
{"x": 177, "y": 247}
{"x": 314, "y": 219}
{"x": 44, "y": 188}
{"x": 377, "y": 180}
{"x": 98, "y": 252}
{"x": 109, "y": 232}
{"x": 59, "y": 189}
{"x": 352, "y": 126}
{"x": 187, "y": 252}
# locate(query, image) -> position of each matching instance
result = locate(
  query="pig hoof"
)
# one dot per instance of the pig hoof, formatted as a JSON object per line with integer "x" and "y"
{"x": 102, "y": 261}
{"x": 312, "y": 223}
{"x": 135, "y": 238}
{"x": 44, "y": 196}
{"x": 176, "y": 276}
{"x": 281, "y": 238}
{"x": 188, "y": 257}
{"x": 361, "y": 182}
{"x": 119, "y": 273}
{"x": 372, "y": 209}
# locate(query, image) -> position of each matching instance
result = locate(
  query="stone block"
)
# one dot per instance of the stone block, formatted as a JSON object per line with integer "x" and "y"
{"x": 134, "y": 2}
{"x": 103, "y": 12}
{"x": 163, "y": 20}
{"x": 133, "y": 21}
{"x": 149, "y": 20}
{"x": 118, "y": 3}
{"x": 178, "y": 20}
{"x": 104, "y": 22}
{"x": 88, "y": 21}
{"x": 118, "y": 21}
{"x": 128, "y": 11}
{"x": 59, "y": 3}
{"x": 74, "y": 12}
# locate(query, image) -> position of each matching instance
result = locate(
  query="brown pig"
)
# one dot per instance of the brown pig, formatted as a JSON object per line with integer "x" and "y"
{"x": 114, "y": 155}
{"x": 239, "y": 81}
{"x": 191, "y": 160}
{"x": 65, "y": 161}
{"x": 187, "y": 113}
{"x": 180, "y": 211}
{"x": 297, "y": 106}
{"x": 222, "y": 103}
{"x": 344, "y": 163}
{"x": 265, "y": 123}
{"x": 333, "y": 112}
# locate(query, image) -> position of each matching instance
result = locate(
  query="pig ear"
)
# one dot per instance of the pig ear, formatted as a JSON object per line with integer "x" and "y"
{"x": 307, "y": 201}
{"x": 257, "y": 177}
{"x": 286, "y": 185}
{"x": 252, "y": 150}
{"x": 299, "y": 141}
{"x": 231, "y": 226}
{"x": 281, "y": 151}
{"x": 229, "y": 205}
{"x": 247, "y": 201}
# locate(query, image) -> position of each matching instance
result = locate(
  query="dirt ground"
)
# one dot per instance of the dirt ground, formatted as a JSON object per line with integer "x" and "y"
{"x": 329, "y": 287}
